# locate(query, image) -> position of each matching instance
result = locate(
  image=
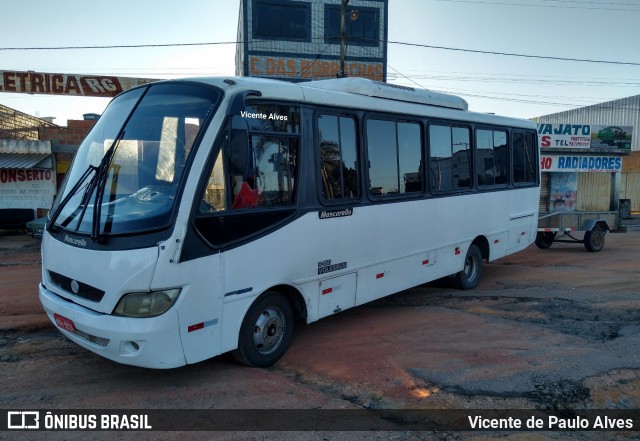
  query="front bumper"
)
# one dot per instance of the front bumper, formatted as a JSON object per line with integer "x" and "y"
{"x": 145, "y": 342}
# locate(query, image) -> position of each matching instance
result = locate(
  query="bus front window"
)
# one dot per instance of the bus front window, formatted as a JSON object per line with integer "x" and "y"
{"x": 133, "y": 160}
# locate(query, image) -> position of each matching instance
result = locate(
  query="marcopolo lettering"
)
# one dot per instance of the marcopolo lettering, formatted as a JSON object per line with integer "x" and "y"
{"x": 329, "y": 214}
{"x": 74, "y": 241}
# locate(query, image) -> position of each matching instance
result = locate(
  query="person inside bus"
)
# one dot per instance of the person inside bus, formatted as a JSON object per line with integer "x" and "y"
{"x": 248, "y": 196}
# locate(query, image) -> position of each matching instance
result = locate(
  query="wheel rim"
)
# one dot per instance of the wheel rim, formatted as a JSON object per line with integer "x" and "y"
{"x": 596, "y": 239}
{"x": 269, "y": 330}
{"x": 470, "y": 268}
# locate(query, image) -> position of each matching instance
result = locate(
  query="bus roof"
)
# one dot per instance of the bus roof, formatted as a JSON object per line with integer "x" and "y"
{"x": 365, "y": 93}
{"x": 378, "y": 89}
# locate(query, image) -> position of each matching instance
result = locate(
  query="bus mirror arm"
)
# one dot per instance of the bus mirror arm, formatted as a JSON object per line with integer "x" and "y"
{"x": 238, "y": 103}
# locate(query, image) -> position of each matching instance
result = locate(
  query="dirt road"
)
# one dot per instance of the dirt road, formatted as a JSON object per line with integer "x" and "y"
{"x": 546, "y": 329}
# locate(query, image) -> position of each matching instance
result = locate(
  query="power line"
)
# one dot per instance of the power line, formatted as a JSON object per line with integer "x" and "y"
{"x": 115, "y": 46}
{"x": 401, "y": 43}
{"x": 524, "y": 79}
{"x": 537, "y": 5}
{"x": 510, "y": 54}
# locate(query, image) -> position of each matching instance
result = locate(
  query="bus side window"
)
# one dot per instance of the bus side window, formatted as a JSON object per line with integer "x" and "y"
{"x": 241, "y": 171}
{"x": 524, "y": 158}
{"x": 338, "y": 157}
{"x": 214, "y": 195}
{"x": 274, "y": 171}
{"x": 230, "y": 161}
{"x": 395, "y": 156}
{"x": 492, "y": 157}
{"x": 449, "y": 157}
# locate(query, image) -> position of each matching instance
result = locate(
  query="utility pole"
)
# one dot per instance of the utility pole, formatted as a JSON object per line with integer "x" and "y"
{"x": 343, "y": 13}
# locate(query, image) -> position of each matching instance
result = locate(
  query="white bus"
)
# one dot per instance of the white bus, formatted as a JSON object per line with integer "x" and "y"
{"x": 209, "y": 215}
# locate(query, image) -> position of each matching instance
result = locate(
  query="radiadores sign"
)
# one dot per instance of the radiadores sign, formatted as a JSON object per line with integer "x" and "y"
{"x": 579, "y": 163}
{"x": 66, "y": 84}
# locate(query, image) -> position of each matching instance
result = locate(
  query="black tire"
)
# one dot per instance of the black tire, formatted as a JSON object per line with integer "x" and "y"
{"x": 266, "y": 331}
{"x": 594, "y": 240}
{"x": 470, "y": 276}
{"x": 544, "y": 240}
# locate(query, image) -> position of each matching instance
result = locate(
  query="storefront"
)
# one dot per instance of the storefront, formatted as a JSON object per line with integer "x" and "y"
{"x": 591, "y": 158}
{"x": 580, "y": 172}
{"x": 27, "y": 181}
{"x": 580, "y": 182}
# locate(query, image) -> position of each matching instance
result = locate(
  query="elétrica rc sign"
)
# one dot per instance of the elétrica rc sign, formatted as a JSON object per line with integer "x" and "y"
{"x": 66, "y": 84}
{"x": 584, "y": 136}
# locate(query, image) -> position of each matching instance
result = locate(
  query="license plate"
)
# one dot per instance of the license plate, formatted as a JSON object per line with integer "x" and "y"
{"x": 64, "y": 323}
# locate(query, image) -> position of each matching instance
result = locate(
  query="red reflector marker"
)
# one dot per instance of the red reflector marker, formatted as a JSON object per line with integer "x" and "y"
{"x": 425, "y": 262}
{"x": 523, "y": 233}
{"x": 496, "y": 241}
{"x": 327, "y": 291}
{"x": 379, "y": 276}
{"x": 458, "y": 251}
{"x": 195, "y": 327}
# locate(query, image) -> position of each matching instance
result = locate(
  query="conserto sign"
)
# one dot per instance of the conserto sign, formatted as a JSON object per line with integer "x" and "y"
{"x": 301, "y": 40}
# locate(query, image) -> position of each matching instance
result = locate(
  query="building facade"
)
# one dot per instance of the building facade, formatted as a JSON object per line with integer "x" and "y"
{"x": 34, "y": 157}
{"x": 590, "y": 157}
{"x": 297, "y": 41}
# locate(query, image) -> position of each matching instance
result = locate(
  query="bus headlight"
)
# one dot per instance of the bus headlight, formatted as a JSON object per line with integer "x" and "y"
{"x": 146, "y": 304}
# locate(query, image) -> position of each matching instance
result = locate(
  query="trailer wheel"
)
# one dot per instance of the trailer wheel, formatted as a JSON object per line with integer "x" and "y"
{"x": 266, "y": 331}
{"x": 544, "y": 240}
{"x": 470, "y": 276}
{"x": 594, "y": 240}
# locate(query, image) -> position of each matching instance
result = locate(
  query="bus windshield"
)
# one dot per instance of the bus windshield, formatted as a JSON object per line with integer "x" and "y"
{"x": 127, "y": 171}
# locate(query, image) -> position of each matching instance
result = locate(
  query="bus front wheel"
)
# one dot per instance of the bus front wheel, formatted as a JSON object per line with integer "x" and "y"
{"x": 266, "y": 331}
{"x": 469, "y": 277}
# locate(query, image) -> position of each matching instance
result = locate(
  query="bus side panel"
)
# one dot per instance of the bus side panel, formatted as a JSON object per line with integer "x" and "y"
{"x": 287, "y": 256}
{"x": 396, "y": 275}
{"x": 523, "y": 219}
{"x": 520, "y": 232}
{"x": 199, "y": 303}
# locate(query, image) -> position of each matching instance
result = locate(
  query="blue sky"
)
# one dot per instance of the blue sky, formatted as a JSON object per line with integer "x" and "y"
{"x": 514, "y": 86}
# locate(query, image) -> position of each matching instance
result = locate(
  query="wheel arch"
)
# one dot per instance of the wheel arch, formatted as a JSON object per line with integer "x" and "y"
{"x": 592, "y": 224}
{"x": 293, "y": 295}
{"x": 482, "y": 243}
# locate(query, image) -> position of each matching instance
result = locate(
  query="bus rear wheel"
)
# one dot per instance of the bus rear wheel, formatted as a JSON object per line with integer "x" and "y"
{"x": 470, "y": 276}
{"x": 266, "y": 331}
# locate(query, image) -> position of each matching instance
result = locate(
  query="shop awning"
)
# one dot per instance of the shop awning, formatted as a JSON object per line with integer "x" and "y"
{"x": 22, "y": 160}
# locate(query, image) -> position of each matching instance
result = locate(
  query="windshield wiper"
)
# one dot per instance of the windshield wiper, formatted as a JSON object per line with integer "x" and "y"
{"x": 63, "y": 203}
{"x": 100, "y": 183}
{"x": 97, "y": 183}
